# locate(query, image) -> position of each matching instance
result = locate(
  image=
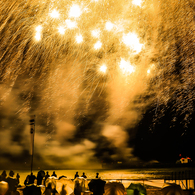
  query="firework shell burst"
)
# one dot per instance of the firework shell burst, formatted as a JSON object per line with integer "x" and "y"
{"x": 108, "y": 59}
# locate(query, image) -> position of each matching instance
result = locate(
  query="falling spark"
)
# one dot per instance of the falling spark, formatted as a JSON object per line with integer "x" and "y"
{"x": 148, "y": 71}
{"x": 75, "y": 11}
{"x": 131, "y": 40}
{"x": 126, "y": 67}
{"x": 54, "y": 14}
{"x": 103, "y": 68}
{"x": 98, "y": 45}
{"x": 79, "y": 38}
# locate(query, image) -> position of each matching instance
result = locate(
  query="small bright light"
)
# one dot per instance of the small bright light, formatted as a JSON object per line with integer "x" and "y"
{"x": 75, "y": 11}
{"x": 95, "y": 33}
{"x": 71, "y": 24}
{"x": 54, "y": 14}
{"x": 39, "y": 28}
{"x": 109, "y": 26}
{"x": 148, "y": 71}
{"x": 103, "y": 68}
{"x": 126, "y": 67}
{"x": 79, "y": 38}
{"x": 38, "y": 32}
{"x": 137, "y": 2}
{"x": 38, "y": 36}
{"x": 132, "y": 41}
{"x": 98, "y": 45}
{"x": 61, "y": 30}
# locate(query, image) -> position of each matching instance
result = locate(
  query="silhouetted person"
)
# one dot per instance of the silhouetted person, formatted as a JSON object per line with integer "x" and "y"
{"x": 84, "y": 175}
{"x": 63, "y": 191}
{"x": 12, "y": 183}
{"x": 97, "y": 186}
{"x": 97, "y": 175}
{"x": 46, "y": 176}
{"x": 40, "y": 176}
{"x": 3, "y": 176}
{"x": 32, "y": 189}
{"x": 50, "y": 191}
{"x": 77, "y": 188}
{"x": 54, "y": 174}
{"x": 18, "y": 178}
{"x": 30, "y": 179}
{"x": 76, "y": 175}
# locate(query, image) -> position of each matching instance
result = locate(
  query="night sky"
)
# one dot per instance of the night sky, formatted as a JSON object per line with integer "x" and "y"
{"x": 107, "y": 81}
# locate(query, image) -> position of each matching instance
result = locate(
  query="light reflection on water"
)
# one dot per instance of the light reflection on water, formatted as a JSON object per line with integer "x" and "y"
{"x": 122, "y": 174}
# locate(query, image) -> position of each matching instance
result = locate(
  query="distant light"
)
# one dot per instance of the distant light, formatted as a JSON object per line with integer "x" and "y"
{"x": 95, "y": 33}
{"x": 126, "y": 67}
{"x": 79, "y": 38}
{"x": 75, "y": 11}
{"x": 103, "y": 68}
{"x": 71, "y": 24}
{"x": 109, "y": 26}
{"x": 131, "y": 40}
{"x": 137, "y": 2}
{"x": 98, "y": 45}
{"x": 54, "y": 14}
{"x": 148, "y": 71}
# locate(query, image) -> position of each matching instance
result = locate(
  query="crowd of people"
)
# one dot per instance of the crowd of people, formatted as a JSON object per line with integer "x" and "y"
{"x": 32, "y": 184}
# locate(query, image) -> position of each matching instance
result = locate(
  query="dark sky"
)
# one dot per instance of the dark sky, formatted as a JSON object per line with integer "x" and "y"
{"x": 112, "y": 81}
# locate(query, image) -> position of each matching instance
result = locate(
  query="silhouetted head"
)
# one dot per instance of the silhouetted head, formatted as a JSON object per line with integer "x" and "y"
{"x": 11, "y": 173}
{"x": 4, "y": 173}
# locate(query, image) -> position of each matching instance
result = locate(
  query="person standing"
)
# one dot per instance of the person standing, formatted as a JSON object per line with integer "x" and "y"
{"x": 84, "y": 175}
{"x": 3, "y": 176}
{"x": 12, "y": 183}
{"x": 54, "y": 174}
{"x": 97, "y": 175}
{"x": 76, "y": 175}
